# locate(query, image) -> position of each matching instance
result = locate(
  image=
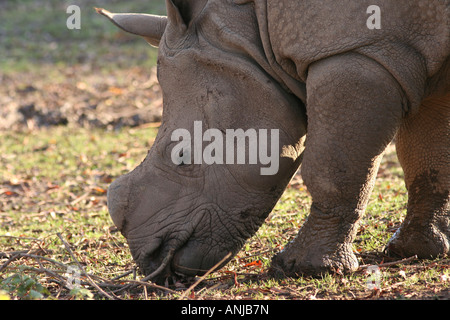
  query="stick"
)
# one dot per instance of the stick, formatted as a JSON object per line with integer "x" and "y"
{"x": 34, "y": 256}
{"x": 150, "y": 285}
{"x": 163, "y": 265}
{"x": 388, "y": 264}
{"x": 5, "y": 265}
{"x": 19, "y": 254}
{"x": 100, "y": 290}
{"x": 47, "y": 271}
{"x": 22, "y": 238}
{"x": 183, "y": 296}
{"x": 84, "y": 196}
{"x": 393, "y": 263}
{"x": 122, "y": 275}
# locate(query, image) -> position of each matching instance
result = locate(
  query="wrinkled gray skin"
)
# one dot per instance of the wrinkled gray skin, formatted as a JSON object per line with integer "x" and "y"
{"x": 257, "y": 64}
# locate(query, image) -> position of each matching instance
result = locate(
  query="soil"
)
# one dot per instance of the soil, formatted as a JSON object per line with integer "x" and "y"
{"x": 79, "y": 96}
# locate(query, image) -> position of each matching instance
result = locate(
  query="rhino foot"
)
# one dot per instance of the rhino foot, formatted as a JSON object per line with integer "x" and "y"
{"x": 295, "y": 263}
{"x": 426, "y": 242}
{"x": 323, "y": 245}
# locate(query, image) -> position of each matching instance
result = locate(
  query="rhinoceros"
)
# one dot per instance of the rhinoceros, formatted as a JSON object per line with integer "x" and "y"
{"x": 337, "y": 81}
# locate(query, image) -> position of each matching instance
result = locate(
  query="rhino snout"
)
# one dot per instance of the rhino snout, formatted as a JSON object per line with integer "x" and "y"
{"x": 117, "y": 200}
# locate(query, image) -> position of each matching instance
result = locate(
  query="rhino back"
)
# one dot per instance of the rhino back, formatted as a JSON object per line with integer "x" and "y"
{"x": 412, "y": 43}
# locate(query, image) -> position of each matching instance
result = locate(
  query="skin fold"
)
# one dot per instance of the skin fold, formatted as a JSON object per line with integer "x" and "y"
{"x": 337, "y": 91}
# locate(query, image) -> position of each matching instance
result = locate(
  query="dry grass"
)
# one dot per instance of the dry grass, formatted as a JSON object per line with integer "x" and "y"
{"x": 56, "y": 238}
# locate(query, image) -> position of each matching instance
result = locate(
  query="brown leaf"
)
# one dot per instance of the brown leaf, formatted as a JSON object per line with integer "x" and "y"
{"x": 10, "y": 193}
{"x": 99, "y": 190}
{"x": 116, "y": 90}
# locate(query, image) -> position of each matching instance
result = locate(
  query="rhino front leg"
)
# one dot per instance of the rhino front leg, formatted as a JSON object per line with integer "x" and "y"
{"x": 423, "y": 146}
{"x": 354, "y": 108}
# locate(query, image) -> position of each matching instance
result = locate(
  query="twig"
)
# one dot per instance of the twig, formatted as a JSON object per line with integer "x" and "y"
{"x": 5, "y": 265}
{"x": 393, "y": 263}
{"x": 80, "y": 198}
{"x": 145, "y": 293}
{"x": 22, "y": 238}
{"x": 91, "y": 282}
{"x": 209, "y": 289}
{"x": 388, "y": 264}
{"x": 34, "y": 256}
{"x": 104, "y": 283}
{"x": 260, "y": 253}
{"x": 183, "y": 296}
{"x": 11, "y": 253}
{"x": 149, "y": 285}
{"x": 52, "y": 273}
{"x": 123, "y": 275}
{"x": 19, "y": 254}
{"x": 163, "y": 265}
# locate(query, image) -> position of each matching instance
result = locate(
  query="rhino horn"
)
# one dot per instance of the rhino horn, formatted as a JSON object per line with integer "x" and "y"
{"x": 150, "y": 27}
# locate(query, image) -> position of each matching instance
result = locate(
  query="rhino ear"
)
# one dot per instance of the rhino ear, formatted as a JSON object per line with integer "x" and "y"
{"x": 174, "y": 15}
{"x": 183, "y": 12}
{"x": 148, "y": 26}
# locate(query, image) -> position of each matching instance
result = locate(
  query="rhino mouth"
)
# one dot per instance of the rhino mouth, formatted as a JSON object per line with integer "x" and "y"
{"x": 183, "y": 263}
{"x": 168, "y": 269}
{"x": 158, "y": 274}
{"x": 156, "y": 266}
{"x": 187, "y": 265}
{"x": 161, "y": 261}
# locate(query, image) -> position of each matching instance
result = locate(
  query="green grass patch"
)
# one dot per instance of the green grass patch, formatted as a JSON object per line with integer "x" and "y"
{"x": 53, "y": 184}
{"x": 34, "y": 34}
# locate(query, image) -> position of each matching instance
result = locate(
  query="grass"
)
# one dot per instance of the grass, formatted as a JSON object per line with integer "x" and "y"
{"x": 54, "y": 184}
{"x": 55, "y": 181}
{"x": 34, "y": 34}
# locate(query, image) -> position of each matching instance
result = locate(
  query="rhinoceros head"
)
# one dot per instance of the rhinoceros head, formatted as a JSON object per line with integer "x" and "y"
{"x": 199, "y": 193}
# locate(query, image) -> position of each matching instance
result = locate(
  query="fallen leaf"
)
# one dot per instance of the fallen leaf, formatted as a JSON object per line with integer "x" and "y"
{"x": 116, "y": 90}
{"x": 10, "y": 193}
{"x": 254, "y": 263}
{"x": 100, "y": 190}
{"x": 51, "y": 186}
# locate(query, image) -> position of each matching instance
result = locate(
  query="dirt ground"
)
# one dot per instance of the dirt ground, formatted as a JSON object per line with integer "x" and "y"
{"x": 78, "y": 96}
